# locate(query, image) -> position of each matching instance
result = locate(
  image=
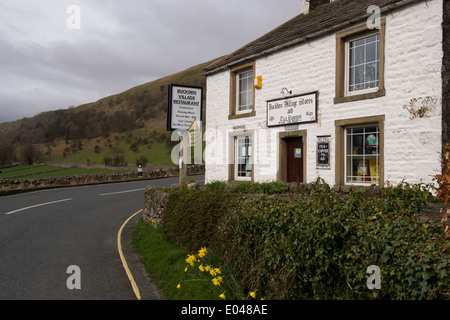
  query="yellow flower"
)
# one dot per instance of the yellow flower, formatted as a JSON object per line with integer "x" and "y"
{"x": 185, "y": 269}
{"x": 212, "y": 272}
{"x": 191, "y": 259}
{"x": 217, "y": 270}
{"x": 202, "y": 252}
{"x": 222, "y": 296}
{"x": 207, "y": 268}
{"x": 178, "y": 286}
{"x": 217, "y": 281}
{"x": 253, "y": 294}
{"x": 201, "y": 268}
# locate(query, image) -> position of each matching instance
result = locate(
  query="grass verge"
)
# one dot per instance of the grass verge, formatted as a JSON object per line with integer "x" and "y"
{"x": 166, "y": 265}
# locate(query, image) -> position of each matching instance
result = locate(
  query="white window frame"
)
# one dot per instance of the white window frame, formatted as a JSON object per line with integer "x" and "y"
{"x": 347, "y": 91}
{"x": 236, "y": 157}
{"x": 249, "y": 107}
{"x": 364, "y": 156}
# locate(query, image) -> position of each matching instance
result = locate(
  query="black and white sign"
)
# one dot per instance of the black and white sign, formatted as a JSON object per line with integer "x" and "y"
{"x": 292, "y": 110}
{"x": 184, "y": 105}
{"x": 323, "y": 152}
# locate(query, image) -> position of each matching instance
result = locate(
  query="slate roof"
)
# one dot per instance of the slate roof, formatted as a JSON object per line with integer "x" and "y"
{"x": 326, "y": 18}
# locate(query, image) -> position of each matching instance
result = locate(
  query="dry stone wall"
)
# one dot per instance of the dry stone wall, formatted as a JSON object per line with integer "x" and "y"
{"x": 11, "y": 186}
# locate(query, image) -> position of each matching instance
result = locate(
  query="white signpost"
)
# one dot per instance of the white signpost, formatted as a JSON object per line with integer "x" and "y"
{"x": 184, "y": 109}
{"x": 292, "y": 110}
{"x": 184, "y": 106}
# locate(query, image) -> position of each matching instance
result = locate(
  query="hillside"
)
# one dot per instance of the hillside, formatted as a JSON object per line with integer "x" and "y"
{"x": 115, "y": 130}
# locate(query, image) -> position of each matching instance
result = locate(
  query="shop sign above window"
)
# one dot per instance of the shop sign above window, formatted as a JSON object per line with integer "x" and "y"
{"x": 292, "y": 110}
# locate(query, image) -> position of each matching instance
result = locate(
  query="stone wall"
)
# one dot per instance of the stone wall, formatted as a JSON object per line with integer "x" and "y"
{"x": 11, "y": 186}
{"x": 155, "y": 201}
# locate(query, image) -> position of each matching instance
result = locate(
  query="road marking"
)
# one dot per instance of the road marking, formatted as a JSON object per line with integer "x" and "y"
{"x": 122, "y": 257}
{"x": 38, "y": 205}
{"x": 118, "y": 192}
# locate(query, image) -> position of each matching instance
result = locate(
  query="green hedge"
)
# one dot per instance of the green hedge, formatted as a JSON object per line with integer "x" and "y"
{"x": 319, "y": 243}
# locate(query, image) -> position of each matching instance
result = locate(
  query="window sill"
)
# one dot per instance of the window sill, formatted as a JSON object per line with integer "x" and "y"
{"x": 242, "y": 115}
{"x": 364, "y": 96}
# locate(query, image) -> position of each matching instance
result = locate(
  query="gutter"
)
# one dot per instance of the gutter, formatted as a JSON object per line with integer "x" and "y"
{"x": 308, "y": 37}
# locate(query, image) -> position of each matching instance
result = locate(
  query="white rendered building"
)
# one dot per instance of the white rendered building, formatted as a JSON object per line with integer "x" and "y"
{"x": 354, "y": 92}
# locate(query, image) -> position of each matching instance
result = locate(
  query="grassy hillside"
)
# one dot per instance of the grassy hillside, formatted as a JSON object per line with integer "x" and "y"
{"x": 122, "y": 128}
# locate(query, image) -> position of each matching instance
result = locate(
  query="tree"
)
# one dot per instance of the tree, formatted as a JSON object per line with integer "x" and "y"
{"x": 30, "y": 154}
{"x": 6, "y": 154}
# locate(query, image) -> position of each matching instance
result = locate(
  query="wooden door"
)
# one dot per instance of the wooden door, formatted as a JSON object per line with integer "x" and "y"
{"x": 294, "y": 159}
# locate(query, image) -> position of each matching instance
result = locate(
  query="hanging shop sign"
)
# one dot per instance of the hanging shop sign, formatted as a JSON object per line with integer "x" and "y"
{"x": 292, "y": 110}
{"x": 323, "y": 152}
{"x": 184, "y": 105}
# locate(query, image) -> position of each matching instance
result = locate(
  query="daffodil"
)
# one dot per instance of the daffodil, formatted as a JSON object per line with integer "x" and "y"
{"x": 201, "y": 268}
{"x": 202, "y": 252}
{"x": 191, "y": 259}
{"x": 207, "y": 268}
{"x": 217, "y": 281}
{"x": 222, "y": 296}
{"x": 179, "y": 286}
{"x": 253, "y": 294}
{"x": 212, "y": 272}
{"x": 217, "y": 270}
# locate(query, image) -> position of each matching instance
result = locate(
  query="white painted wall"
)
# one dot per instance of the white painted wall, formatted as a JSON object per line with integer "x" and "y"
{"x": 413, "y": 58}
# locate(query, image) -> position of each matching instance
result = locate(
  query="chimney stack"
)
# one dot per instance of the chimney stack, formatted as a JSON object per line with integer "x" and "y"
{"x": 305, "y": 6}
{"x": 310, "y": 5}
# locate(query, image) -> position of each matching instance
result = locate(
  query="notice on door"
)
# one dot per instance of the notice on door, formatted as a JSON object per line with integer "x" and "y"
{"x": 297, "y": 152}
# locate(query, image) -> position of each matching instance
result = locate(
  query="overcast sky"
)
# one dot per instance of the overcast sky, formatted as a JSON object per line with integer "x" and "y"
{"x": 51, "y": 57}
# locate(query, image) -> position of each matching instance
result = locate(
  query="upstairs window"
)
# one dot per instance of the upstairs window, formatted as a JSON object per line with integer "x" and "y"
{"x": 360, "y": 64}
{"x": 363, "y": 64}
{"x": 242, "y": 91}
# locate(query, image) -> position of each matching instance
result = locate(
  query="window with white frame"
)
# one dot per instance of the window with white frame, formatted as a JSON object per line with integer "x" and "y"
{"x": 244, "y": 91}
{"x": 362, "y": 159}
{"x": 360, "y": 61}
{"x": 363, "y": 63}
{"x": 243, "y": 161}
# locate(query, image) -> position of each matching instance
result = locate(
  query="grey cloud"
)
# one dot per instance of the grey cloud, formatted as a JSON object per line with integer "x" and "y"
{"x": 121, "y": 44}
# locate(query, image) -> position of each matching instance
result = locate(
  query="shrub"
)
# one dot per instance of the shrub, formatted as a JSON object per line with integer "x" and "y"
{"x": 192, "y": 216}
{"x": 216, "y": 185}
{"x": 319, "y": 245}
{"x": 248, "y": 187}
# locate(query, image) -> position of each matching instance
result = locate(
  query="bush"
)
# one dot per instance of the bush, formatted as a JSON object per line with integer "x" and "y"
{"x": 319, "y": 245}
{"x": 192, "y": 216}
{"x": 248, "y": 187}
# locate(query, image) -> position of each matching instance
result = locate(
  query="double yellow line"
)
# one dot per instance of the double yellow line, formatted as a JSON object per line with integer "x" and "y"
{"x": 122, "y": 257}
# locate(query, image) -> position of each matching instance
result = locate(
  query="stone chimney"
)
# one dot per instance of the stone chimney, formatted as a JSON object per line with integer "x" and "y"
{"x": 305, "y": 6}
{"x": 310, "y": 5}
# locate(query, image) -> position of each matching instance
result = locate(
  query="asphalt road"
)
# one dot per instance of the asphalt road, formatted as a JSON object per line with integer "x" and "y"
{"x": 42, "y": 234}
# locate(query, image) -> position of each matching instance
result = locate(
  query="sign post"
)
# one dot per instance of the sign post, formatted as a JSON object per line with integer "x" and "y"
{"x": 184, "y": 107}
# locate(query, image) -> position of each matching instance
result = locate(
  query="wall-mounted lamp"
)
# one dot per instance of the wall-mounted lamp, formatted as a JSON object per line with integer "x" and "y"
{"x": 283, "y": 90}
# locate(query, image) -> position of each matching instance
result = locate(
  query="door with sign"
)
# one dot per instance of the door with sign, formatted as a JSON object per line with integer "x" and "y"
{"x": 294, "y": 159}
